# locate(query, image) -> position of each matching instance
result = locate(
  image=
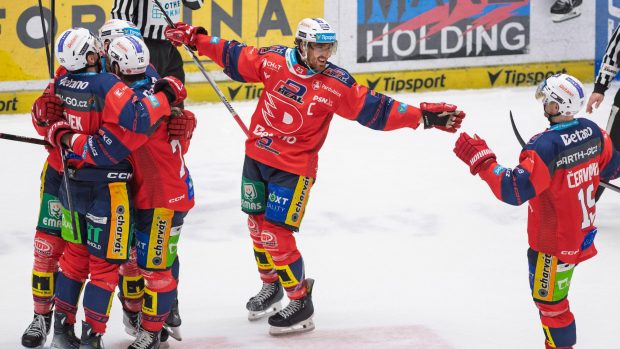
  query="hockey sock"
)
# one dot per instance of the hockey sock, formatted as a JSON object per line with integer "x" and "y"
{"x": 97, "y": 303}
{"x": 67, "y": 296}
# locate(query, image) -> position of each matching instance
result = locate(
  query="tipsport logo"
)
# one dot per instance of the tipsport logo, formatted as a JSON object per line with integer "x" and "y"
{"x": 441, "y": 29}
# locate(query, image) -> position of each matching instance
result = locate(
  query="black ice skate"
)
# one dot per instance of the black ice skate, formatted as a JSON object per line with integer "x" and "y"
{"x": 563, "y": 10}
{"x": 36, "y": 333}
{"x": 64, "y": 334}
{"x": 296, "y": 317}
{"x": 90, "y": 339}
{"x": 146, "y": 340}
{"x": 266, "y": 301}
{"x": 172, "y": 325}
{"x": 131, "y": 320}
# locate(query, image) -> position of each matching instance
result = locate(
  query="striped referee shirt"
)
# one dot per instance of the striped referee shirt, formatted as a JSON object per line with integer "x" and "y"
{"x": 147, "y": 16}
{"x": 609, "y": 65}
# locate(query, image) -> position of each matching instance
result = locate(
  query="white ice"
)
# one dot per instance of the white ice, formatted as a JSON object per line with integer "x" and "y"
{"x": 407, "y": 248}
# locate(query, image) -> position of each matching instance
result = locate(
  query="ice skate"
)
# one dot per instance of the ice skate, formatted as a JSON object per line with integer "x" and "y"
{"x": 563, "y": 10}
{"x": 172, "y": 326}
{"x": 90, "y": 339}
{"x": 146, "y": 340}
{"x": 266, "y": 301}
{"x": 131, "y": 321}
{"x": 296, "y": 317}
{"x": 64, "y": 334}
{"x": 36, "y": 333}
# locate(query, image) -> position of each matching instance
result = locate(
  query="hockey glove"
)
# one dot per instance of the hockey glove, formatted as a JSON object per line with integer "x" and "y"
{"x": 441, "y": 116}
{"x": 172, "y": 87}
{"x": 47, "y": 109}
{"x": 56, "y": 130}
{"x": 184, "y": 34}
{"x": 182, "y": 124}
{"x": 473, "y": 151}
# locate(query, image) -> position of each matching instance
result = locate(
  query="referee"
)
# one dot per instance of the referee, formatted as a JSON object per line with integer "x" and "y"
{"x": 151, "y": 21}
{"x": 607, "y": 73}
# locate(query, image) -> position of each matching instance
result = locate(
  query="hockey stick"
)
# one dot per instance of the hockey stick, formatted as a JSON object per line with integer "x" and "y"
{"x": 207, "y": 75}
{"x": 24, "y": 139}
{"x": 50, "y": 67}
{"x": 603, "y": 183}
{"x": 47, "y": 46}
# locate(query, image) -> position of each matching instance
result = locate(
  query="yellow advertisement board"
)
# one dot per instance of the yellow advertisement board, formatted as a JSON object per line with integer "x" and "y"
{"x": 254, "y": 22}
{"x": 385, "y": 82}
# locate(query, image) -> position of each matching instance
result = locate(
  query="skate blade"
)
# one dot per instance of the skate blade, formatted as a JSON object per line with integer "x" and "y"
{"x": 257, "y": 315}
{"x": 561, "y": 18}
{"x": 304, "y": 326}
{"x": 174, "y": 332}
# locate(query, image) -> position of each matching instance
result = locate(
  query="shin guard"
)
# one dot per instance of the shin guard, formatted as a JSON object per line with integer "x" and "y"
{"x": 279, "y": 242}
{"x": 131, "y": 284}
{"x": 264, "y": 262}
{"x": 47, "y": 251}
{"x": 160, "y": 293}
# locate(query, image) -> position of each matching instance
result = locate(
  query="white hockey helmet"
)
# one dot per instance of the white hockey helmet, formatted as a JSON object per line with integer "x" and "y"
{"x": 315, "y": 30}
{"x": 565, "y": 90}
{"x": 130, "y": 53}
{"x": 73, "y": 45}
{"x": 115, "y": 28}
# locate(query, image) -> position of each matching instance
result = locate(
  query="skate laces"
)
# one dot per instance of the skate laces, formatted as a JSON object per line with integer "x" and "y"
{"x": 265, "y": 292}
{"x": 144, "y": 340}
{"x": 293, "y": 307}
{"x": 37, "y": 326}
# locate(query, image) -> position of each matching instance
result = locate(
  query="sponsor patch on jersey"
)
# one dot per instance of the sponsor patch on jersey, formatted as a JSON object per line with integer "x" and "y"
{"x": 118, "y": 239}
{"x": 158, "y": 240}
{"x": 588, "y": 240}
{"x": 498, "y": 170}
{"x": 278, "y": 202}
{"x": 154, "y": 101}
{"x": 214, "y": 40}
{"x": 402, "y": 108}
{"x": 299, "y": 201}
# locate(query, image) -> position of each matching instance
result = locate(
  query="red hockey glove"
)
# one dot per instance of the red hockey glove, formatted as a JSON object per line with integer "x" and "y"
{"x": 184, "y": 34}
{"x": 47, "y": 109}
{"x": 473, "y": 151}
{"x": 172, "y": 87}
{"x": 441, "y": 116}
{"x": 181, "y": 126}
{"x": 56, "y": 130}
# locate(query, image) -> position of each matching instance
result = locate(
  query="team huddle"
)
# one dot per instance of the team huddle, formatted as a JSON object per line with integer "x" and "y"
{"x": 115, "y": 190}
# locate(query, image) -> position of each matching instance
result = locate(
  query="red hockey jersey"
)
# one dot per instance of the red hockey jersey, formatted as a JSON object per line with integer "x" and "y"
{"x": 296, "y": 106}
{"x": 160, "y": 177}
{"x": 559, "y": 173}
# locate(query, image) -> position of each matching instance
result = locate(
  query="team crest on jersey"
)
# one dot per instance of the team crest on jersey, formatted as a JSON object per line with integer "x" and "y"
{"x": 292, "y": 90}
{"x": 281, "y": 115}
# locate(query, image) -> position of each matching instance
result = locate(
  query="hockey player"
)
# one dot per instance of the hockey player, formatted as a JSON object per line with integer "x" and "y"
{"x": 302, "y": 92}
{"x": 131, "y": 282}
{"x": 48, "y": 244}
{"x": 558, "y": 174}
{"x": 104, "y": 122}
{"x": 606, "y": 74}
{"x": 162, "y": 191}
{"x": 563, "y": 10}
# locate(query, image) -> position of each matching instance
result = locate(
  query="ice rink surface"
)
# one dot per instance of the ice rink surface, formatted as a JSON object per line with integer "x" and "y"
{"x": 407, "y": 248}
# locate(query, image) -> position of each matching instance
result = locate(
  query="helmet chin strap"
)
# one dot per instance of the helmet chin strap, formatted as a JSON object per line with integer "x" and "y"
{"x": 550, "y": 116}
